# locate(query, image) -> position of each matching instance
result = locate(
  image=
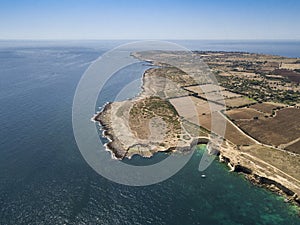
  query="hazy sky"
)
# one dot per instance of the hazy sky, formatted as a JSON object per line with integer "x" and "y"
{"x": 164, "y": 19}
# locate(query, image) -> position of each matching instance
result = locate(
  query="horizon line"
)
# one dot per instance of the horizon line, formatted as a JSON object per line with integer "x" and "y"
{"x": 144, "y": 39}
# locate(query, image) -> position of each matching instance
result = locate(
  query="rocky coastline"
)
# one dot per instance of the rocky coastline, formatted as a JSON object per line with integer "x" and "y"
{"x": 227, "y": 156}
{"x": 258, "y": 179}
{"x": 124, "y": 145}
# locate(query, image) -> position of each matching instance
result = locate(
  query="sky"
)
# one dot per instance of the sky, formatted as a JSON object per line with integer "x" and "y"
{"x": 151, "y": 19}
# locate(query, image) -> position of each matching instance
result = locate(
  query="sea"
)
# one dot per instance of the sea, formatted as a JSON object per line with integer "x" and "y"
{"x": 45, "y": 180}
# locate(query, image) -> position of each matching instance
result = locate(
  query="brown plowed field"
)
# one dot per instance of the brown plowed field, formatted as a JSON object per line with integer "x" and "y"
{"x": 231, "y": 132}
{"x": 294, "y": 147}
{"x": 264, "y": 107}
{"x": 281, "y": 129}
{"x": 244, "y": 113}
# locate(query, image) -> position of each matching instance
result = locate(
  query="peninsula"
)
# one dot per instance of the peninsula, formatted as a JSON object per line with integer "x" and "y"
{"x": 259, "y": 104}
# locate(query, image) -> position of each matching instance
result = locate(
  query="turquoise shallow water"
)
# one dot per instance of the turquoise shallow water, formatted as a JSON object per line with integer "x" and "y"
{"x": 44, "y": 180}
{"x": 221, "y": 197}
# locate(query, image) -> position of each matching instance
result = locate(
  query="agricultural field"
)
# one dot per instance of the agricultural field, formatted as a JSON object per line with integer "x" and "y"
{"x": 238, "y": 102}
{"x": 244, "y": 114}
{"x": 245, "y": 75}
{"x": 229, "y": 94}
{"x": 199, "y": 112}
{"x": 261, "y": 77}
{"x": 232, "y": 134}
{"x": 294, "y": 147}
{"x": 213, "y": 96}
{"x": 191, "y": 108}
{"x": 205, "y": 88}
{"x": 290, "y": 66}
{"x": 284, "y": 127}
{"x": 290, "y": 74}
{"x": 265, "y": 107}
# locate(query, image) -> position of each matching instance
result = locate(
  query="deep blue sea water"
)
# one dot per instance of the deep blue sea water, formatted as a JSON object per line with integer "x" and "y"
{"x": 44, "y": 179}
